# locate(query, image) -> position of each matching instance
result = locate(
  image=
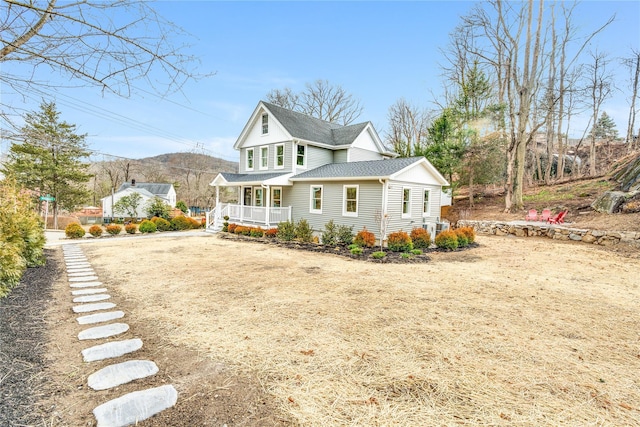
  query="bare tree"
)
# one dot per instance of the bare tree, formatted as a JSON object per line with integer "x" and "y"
{"x": 320, "y": 99}
{"x": 599, "y": 87}
{"x": 107, "y": 43}
{"x": 633, "y": 64}
{"x": 408, "y": 128}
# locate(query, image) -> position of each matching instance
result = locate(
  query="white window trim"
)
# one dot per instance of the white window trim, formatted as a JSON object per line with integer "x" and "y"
{"x": 262, "y": 132}
{"x": 428, "y": 211}
{"x": 262, "y": 168}
{"x": 273, "y": 189}
{"x": 344, "y": 200}
{"x": 311, "y": 209}
{"x": 253, "y": 159}
{"x": 304, "y": 157}
{"x": 255, "y": 196}
{"x": 275, "y": 157}
{"x": 408, "y": 214}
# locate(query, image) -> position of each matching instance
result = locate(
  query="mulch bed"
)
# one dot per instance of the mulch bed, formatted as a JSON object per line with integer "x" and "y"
{"x": 341, "y": 250}
{"x": 23, "y": 347}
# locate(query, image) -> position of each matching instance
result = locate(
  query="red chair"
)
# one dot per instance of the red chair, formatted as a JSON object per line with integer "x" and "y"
{"x": 546, "y": 214}
{"x": 532, "y": 215}
{"x": 558, "y": 219}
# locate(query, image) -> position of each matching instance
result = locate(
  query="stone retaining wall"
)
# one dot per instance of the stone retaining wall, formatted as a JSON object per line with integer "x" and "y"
{"x": 557, "y": 232}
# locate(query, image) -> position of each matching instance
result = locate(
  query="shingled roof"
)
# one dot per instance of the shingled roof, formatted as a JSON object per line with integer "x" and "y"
{"x": 365, "y": 169}
{"x": 307, "y": 128}
{"x": 249, "y": 177}
{"x": 157, "y": 189}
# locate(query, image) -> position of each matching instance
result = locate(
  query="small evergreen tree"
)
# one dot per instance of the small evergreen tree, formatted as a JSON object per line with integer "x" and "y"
{"x": 157, "y": 207}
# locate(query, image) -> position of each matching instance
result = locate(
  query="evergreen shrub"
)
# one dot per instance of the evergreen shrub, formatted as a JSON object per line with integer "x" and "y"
{"x": 365, "y": 238}
{"x": 420, "y": 238}
{"x": 345, "y": 234}
{"x": 162, "y": 224}
{"x": 399, "y": 242}
{"x": 147, "y": 226}
{"x": 114, "y": 229}
{"x": 130, "y": 228}
{"x": 286, "y": 231}
{"x": 463, "y": 240}
{"x": 95, "y": 230}
{"x": 303, "y": 231}
{"x": 447, "y": 239}
{"x": 330, "y": 234}
{"x": 74, "y": 231}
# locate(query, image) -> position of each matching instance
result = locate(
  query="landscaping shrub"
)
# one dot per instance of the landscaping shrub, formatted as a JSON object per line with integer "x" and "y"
{"x": 469, "y": 232}
{"x": 147, "y": 226}
{"x": 357, "y": 250}
{"x": 180, "y": 223}
{"x": 271, "y": 233}
{"x": 232, "y": 228}
{"x": 130, "y": 228}
{"x": 365, "y": 238}
{"x": 95, "y": 230}
{"x": 399, "y": 242}
{"x": 416, "y": 252}
{"x": 114, "y": 229}
{"x": 13, "y": 265}
{"x": 162, "y": 224}
{"x": 330, "y": 234}
{"x": 345, "y": 234}
{"x": 462, "y": 238}
{"x": 74, "y": 231}
{"x": 225, "y": 224}
{"x": 286, "y": 231}
{"x": 420, "y": 238}
{"x": 447, "y": 239}
{"x": 303, "y": 231}
{"x": 242, "y": 230}
{"x": 195, "y": 224}
{"x": 378, "y": 255}
{"x": 256, "y": 232}
{"x": 406, "y": 255}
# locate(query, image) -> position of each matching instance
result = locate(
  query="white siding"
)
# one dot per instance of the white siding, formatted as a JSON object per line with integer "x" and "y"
{"x": 255, "y": 138}
{"x": 365, "y": 141}
{"x": 369, "y": 203}
{"x": 107, "y": 211}
{"x": 360, "y": 155}
{"x": 418, "y": 174}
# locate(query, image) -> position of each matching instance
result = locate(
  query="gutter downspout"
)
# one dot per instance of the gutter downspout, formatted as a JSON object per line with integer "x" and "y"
{"x": 385, "y": 193}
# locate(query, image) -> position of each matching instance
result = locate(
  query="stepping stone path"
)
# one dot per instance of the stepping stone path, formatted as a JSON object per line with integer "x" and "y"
{"x": 132, "y": 407}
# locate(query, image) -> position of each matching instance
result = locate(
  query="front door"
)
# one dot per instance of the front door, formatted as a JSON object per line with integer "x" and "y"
{"x": 246, "y": 200}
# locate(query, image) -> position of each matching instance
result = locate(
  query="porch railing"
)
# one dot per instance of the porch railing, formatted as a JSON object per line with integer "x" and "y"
{"x": 257, "y": 215}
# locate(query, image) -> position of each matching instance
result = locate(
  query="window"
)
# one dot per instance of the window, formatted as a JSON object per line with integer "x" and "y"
{"x": 264, "y": 157}
{"x": 265, "y": 124}
{"x": 316, "y": 199}
{"x": 249, "y": 159}
{"x": 406, "y": 203}
{"x": 247, "y": 196}
{"x": 258, "y": 194}
{"x": 300, "y": 157}
{"x": 276, "y": 197}
{"x": 279, "y": 160}
{"x": 425, "y": 202}
{"x": 350, "y": 203}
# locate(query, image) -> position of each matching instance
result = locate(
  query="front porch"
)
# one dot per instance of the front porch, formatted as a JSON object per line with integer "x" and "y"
{"x": 247, "y": 215}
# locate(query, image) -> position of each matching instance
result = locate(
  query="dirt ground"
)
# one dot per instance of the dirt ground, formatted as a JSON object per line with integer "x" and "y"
{"x": 525, "y": 332}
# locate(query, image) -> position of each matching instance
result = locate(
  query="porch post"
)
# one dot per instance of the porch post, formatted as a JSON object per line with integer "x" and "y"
{"x": 241, "y": 200}
{"x": 267, "y": 204}
{"x": 217, "y": 210}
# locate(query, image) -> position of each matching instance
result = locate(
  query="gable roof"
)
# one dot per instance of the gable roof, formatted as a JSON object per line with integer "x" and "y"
{"x": 372, "y": 169}
{"x": 224, "y": 178}
{"x": 155, "y": 188}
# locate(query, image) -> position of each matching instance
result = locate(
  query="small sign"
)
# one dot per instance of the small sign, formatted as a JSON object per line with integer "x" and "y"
{"x": 47, "y": 198}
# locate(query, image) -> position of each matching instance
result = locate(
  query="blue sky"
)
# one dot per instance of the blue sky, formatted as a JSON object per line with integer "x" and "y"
{"x": 378, "y": 51}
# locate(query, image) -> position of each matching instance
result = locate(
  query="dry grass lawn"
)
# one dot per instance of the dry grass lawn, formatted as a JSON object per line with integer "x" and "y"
{"x": 525, "y": 332}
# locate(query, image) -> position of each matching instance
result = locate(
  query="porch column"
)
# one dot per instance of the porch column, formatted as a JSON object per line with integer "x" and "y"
{"x": 267, "y": 204}
{"x": 217, "y": 210}
{"x": 241, "y": 200}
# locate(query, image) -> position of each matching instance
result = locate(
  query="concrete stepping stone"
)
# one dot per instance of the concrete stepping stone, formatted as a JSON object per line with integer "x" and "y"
{"x": 92, "y": 298}
{"x": 85, "y": 284}
{"x": 71, "y": 257}
{"x": 121, "y": 373}
{"x": 134, "y": 407}
{"x": 111, "y": 349}
{"x": 100, "y": 317}
{"x": 78, "y": 265}
{"x": 88, "y": 291}
{"x": 83, "y": 278}
{"x": 89, "y": 272}
{"x": 104, "y": 331}
{"x": 85, "y": 308}
{"x": 80, "y": 270}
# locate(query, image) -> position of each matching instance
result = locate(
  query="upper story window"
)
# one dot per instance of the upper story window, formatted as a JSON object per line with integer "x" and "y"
{"x": 425, "y": 202}
{"x": 406, "y": 203}
{"x": 265, "y": 124}
{"x": 350, "y": 200}
{"x": 264, "y": 157}
{"x": 316, "y": 199}
{"x": 279, "y": 160}
{"x": 249, "y": 159}
{"x": 300, "y": 155}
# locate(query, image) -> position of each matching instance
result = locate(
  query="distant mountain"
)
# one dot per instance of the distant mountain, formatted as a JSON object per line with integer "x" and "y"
{"x": 195, "y": 160}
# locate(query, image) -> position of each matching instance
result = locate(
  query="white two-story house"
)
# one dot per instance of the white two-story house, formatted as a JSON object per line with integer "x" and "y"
{"x": 293, "y": 166}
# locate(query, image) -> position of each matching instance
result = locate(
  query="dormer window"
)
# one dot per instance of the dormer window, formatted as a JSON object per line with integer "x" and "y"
{"x": 265, "y": 124}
